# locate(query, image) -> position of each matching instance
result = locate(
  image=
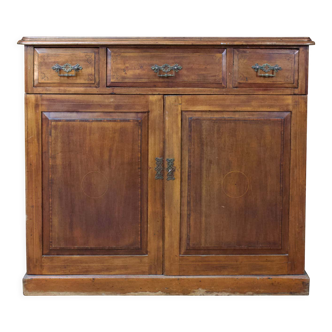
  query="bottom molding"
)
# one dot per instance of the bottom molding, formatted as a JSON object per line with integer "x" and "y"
{"x": 165, "y": 285}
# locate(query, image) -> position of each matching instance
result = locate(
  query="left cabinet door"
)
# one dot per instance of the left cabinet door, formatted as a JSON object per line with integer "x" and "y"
{"x": 94, "y": 202}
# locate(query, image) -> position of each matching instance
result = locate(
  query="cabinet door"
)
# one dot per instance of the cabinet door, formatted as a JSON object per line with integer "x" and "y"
{"x": 94, "y": 204}
{"x": 234, "y": 199}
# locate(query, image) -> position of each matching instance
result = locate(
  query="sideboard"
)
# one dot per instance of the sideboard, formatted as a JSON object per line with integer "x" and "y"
{"x": 165, "y": 166}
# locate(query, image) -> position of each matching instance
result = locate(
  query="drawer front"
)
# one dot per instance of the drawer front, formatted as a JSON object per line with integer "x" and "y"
{"x": 265, "y": 68}
{"x": 59, "y": 67}
{"x": 166, "y": 67}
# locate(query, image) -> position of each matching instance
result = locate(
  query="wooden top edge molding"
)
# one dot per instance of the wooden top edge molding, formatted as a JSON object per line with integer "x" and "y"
{"x": 215, "y": 41}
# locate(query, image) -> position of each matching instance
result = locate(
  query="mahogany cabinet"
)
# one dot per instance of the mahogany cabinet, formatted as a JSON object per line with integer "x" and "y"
{"x": 166, "y": 166}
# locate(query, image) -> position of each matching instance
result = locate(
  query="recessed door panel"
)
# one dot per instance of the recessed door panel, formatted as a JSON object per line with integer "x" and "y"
{"x": 95, "y": 182}
{"x": 235, "y": 180}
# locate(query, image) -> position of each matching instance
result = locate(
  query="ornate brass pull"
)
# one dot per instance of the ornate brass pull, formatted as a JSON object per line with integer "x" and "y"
{"x": 166, "y": 69}
{"x": 266, "y": 68}
{"x": 67, "y": 68}
{"x": 159, "y": 169}
{"x": 170, "y": 169}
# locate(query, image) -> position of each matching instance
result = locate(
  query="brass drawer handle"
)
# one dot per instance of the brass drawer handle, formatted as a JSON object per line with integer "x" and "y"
{"x": 166, "y": 69}
{"x": 170, "y": 169}
{"x": 67, "y": 68}
{"x": 266, "y": 68}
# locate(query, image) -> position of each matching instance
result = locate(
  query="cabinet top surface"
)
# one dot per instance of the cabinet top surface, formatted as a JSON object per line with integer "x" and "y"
{"x": 212, "y": 41}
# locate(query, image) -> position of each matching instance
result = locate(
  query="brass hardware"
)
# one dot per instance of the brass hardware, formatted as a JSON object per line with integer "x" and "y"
{"x": 159, "y": 169}
{"x": 67, "y": 68}
{"x": 170, "y": 169}
{"x": 166, "y": 69}
{"x": 266, "y": 68}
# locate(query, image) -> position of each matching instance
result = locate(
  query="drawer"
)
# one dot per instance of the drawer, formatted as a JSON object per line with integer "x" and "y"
{"x": 166, "y": 67}
{"x": 59, "y": 67}
{"x": 265, "y": 68}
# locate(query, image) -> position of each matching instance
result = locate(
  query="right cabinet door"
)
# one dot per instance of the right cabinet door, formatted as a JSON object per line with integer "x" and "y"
{"x": 235, "y": 185}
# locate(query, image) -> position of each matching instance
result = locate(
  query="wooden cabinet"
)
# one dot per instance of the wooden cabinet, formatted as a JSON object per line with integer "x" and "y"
{"x": 166, "y": 166}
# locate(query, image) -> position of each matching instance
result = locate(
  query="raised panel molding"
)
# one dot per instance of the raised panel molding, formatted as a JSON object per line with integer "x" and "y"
{"x": 236, "y": 196}
{"x": 46, "y": 58}
{"x": 246, "y": 77}
{"x": 95, "y": 157}
{"x": 198, "y": 67}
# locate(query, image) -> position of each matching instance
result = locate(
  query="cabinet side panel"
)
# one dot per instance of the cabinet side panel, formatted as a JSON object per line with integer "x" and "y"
{"x": 33, "y": 183}
{"x": 28, "y": 64}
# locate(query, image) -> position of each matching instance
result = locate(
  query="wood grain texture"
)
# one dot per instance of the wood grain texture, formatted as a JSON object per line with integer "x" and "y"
{"x": 155, "y": 187}
{"x": 191, "y": 265}
{"x": 86, "y": 103}
{"x": 172, "y": 188}
{"x": 33, "y": 139}
{"x": 245, "y": 76}
{"x": 298, "y": 186}
{"x": 217, "y": 41}
{"x": 25, "y": 68}
{"x": 303, "y": 70}
{"x": 243, "y": 103}
{"x": 235, "y": 182}
{"x": 28, "y": 68}
{"x": 25, "y": 159}
{"x": 96, "y": 264}
{"x": 200, "y": 67}
{"x": 233, "y": 219}
{"x": 102, "y": 67}
{"x": 229, "y": 67}
{"x": 91, "y": 160}
{"x": 72, "y": 116}
{"x": 163, "y": 285}
{"x": 46, "y": 58}
{"x": 169, "y": 85}
{"x": 163, "y": 91}
{"x": 282, "y": 108}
